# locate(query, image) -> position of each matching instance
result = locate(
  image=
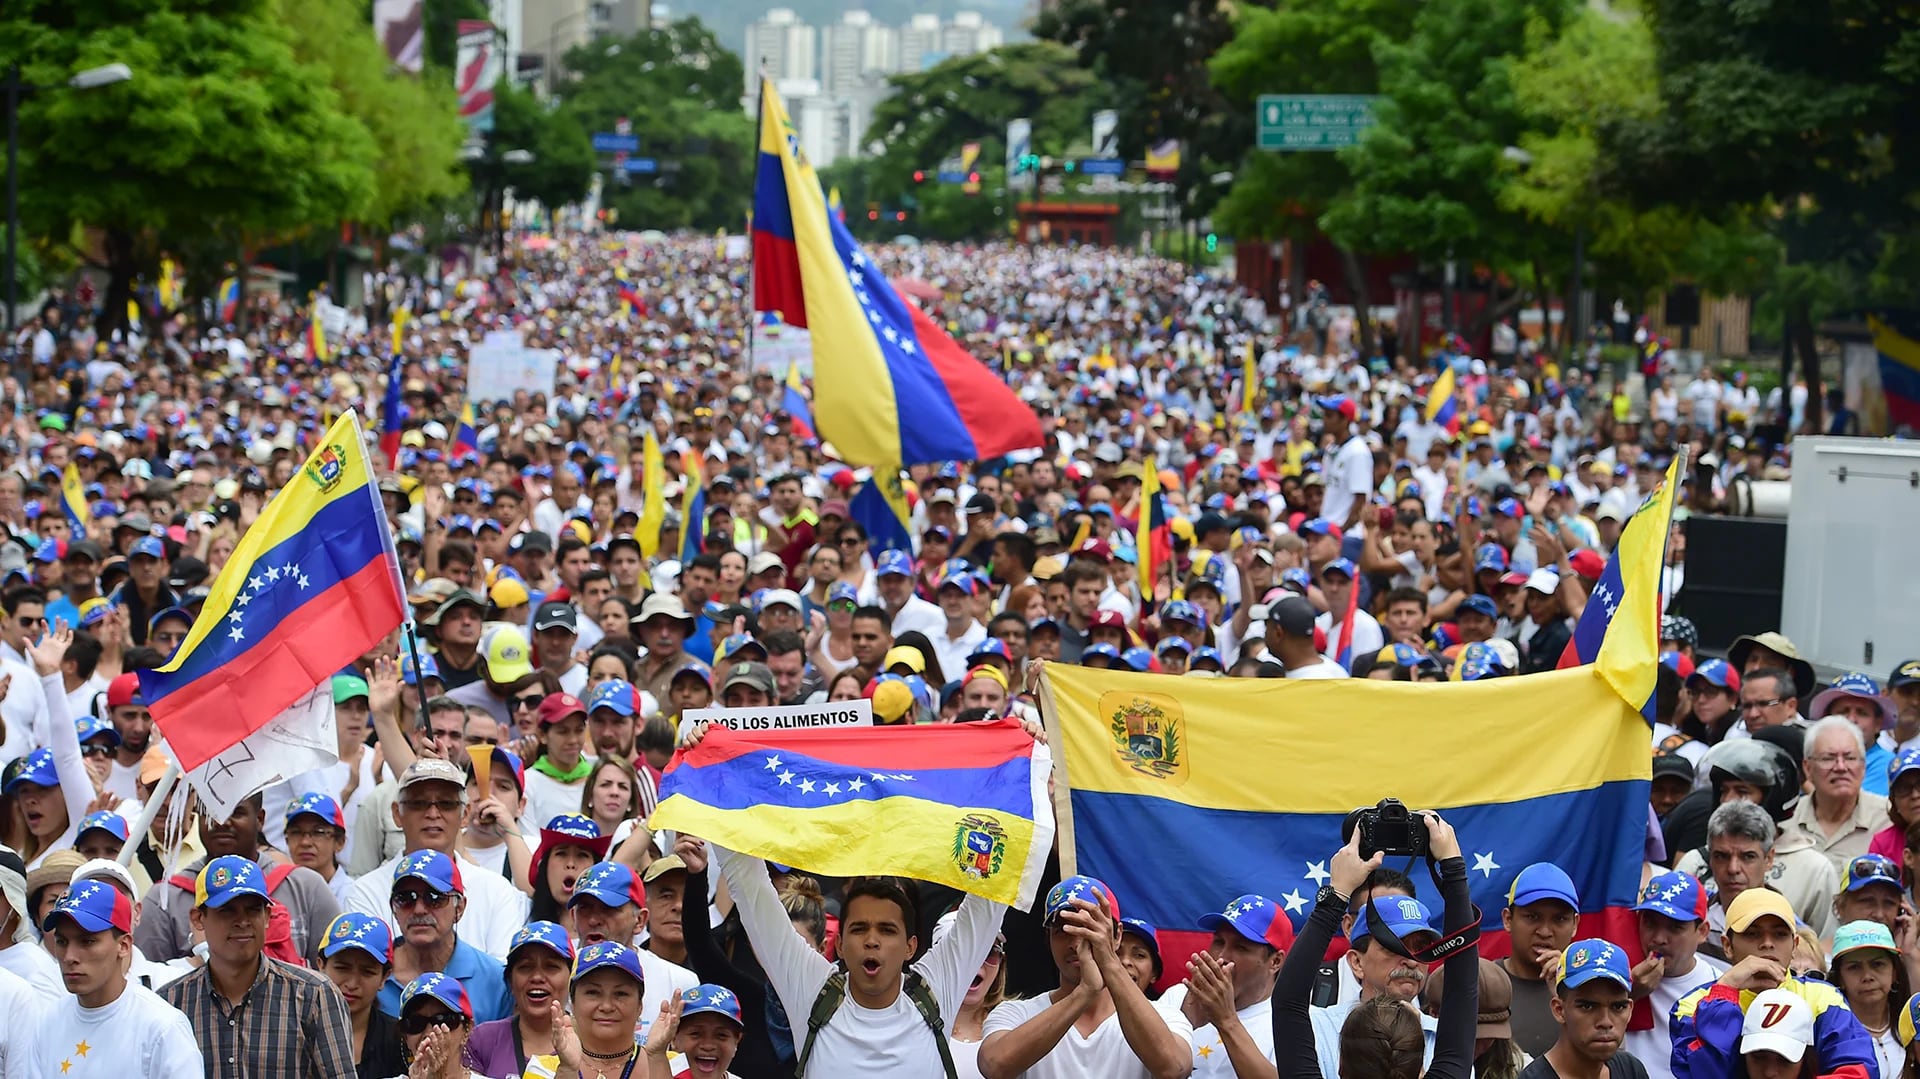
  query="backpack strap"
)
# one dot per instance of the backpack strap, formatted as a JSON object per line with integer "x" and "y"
{"x": 834, "y": 992}
{"x": 278, "y": 875}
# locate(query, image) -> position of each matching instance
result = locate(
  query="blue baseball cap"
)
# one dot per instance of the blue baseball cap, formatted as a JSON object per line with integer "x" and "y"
{"x": 1400, "y": 913}
{"x": 50, "y": 550}
{"x": 94, "y": 907}
{"x": 227, "y": 878}
{"x": 1173, "y": 644}
{"x": 319, "y": 805}
{"x": 363, "y": 932}
{"x": 147, "y": 547}
{"x": 1140, "y": 659}
{"x": 1256, "y": 918}
{"x": 1341, "y": 565}
{"x": 1180, "y": 610}
{"x": 1509, "y": 507}
{"x": 93, "y": 727}
{"x": 991, "y": 648}
{"x": 107, "y": 821}
{"x": 893, "y": 562}
{"x": 1208, "y": 654}
{"x": 1676, "y": 895}
{"x": 1296, "y": 578}
{"x": 1100, "y": 649}
{"x": 411, "y": 675}
{"x": 37, "y": 770}
{"x": 1542, "y": 881}
{"x": 604, "y": 954}
{"x": 441, "y": 988}
{"x": 1717, "y": 672}
{"x": 1489, "y": 556}
{"x": 1870, "y": 869}
{"x": 432, "y": 868}
{"x": 840, "y": 591}
{"x": 1907, "y": 761}
{"x": 548, "y": 935}
{"x": 709, "y": 999}
{"x": 1061, "y": 895}
{"x": 1148, "y": 935}
{"x": 616, "y": 694}
{"x": 1593, "y": 958}
{"x": 1478, "y": 604}
{"x": 611, "y": 883}
{"x": 1320, "y": 526}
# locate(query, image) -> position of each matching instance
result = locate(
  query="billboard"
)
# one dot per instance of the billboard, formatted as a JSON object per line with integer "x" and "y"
{"x": 475, "y": 73}
{"x": 401, "y": 28}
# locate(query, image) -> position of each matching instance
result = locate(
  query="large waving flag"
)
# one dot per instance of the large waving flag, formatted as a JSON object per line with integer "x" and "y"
{"x": 693, "y": 509}
{"x": 73, "y": 501}
{"x": 880, "y": 507}
{"x": 1154, "y": 761}
{"x": 1619, "y": 631}
{"x": 895, "y": 389}
{"x": 965, "y": 806}
{"x": 794, "y": 403}
{"x": 1441, "y": 406}
{"x": 248, "y": 699}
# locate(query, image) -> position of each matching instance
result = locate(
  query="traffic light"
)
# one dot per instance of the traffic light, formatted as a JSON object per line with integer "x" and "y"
{"x": 900, "y": 216}
{"x": 919, "y": 176}
{"x": 1213, "y": 242}
{"x": 1070, "y": 163}
{"x": 873, "y": 215}
{"x": 973, "y": 177}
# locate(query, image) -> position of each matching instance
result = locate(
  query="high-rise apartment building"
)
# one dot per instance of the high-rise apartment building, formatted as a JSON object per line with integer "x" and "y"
{"x": 782, "y": 47}
{"x": 857, "y": 52}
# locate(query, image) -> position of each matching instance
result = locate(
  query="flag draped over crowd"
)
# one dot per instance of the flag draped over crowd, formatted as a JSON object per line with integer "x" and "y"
{"x": 963, "y": 805}
{"x": 313, "y": 584}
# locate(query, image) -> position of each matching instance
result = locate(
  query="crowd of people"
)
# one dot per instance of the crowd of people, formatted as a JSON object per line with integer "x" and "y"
{"x": 472, "y": 888}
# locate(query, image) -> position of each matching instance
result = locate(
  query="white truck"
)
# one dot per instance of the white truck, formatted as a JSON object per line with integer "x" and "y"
{"x": 1851, "y": 598}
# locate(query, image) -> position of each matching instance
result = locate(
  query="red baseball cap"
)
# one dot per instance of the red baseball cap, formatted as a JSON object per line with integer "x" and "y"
{"x": 1588, "y": 563}
{"x": 125, "y": 690}
{"x": 1095, "y": 548}
{"x": 558, "y": 706}
{"x": 1113, "y": 619}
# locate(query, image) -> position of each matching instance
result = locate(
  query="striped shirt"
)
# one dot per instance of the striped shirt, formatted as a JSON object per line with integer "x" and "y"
{"x": 291, "y": 1023}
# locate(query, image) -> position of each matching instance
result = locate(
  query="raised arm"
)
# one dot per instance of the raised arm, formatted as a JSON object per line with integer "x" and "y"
{"x": 1459, "y": 1012}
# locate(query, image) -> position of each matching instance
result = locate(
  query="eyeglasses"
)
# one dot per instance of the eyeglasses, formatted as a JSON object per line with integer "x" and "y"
{"x": 96, "y": 751}
{"x": 531, "y": 700}
{"x": 843, "y": 605}
{"x": 422, "y": 805}
{"x": 850, "y": 541}
{"x": 1828, "y": 760}
{"x": 33, "y": 620}
{"x": 418, "y": 1024}
{"x": 310, "y": 834}
{"x": 1761, "y": 706}
{"x": 409, "y": 897}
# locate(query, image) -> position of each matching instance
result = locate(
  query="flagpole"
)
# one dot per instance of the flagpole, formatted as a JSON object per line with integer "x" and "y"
{"x": 156, "y": 802}
{"x": 759, "y": 119}
{"x": 419, "y": 679}
{"x": 1666, "y": 542}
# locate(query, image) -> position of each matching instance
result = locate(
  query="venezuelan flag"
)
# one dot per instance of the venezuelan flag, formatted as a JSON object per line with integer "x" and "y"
{"x": 1149, "y": 534}
{"x": 466, "y": 436}
{"x": 653, "y": 483}
{"x": 897, "y": 390}
{"x": 794, "y": 404}
{"x": 1899, "y": 371}
{"x": 390, "y": 412}
{"x": 316, "y": 334}
{"x": 965, "y": 806}
{"x": 630, "y": 302}
{"x": 313, "y": 584}
{"x": 1343, "y": 649}
{"x": 880, "y": 507}
{"x": 227, "y": 300}
{"x": 1441, "y": 406}
{"x": 693, "y": 509}
{"x": 73, "y": 501}
{"x": 168, "y": 291}
{"x": 1241, "y": 785}
{"x": 1619, "y": 631}
{"x": 1249, "y": 379}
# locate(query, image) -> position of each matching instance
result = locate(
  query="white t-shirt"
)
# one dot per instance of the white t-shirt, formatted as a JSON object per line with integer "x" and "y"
{"x": 548, "y": 798}
{"x": 23, "y": 1004}
{"x": 124, "y": 780}
{"x": 1893, "y": 1055}
{"x": 1366, "y": 634}
{"x": 887, "y": 1043}
{"x": 966, "y": 1058}
{"x": 1654, "y": 1048}
{"x": 1326, "y": 668}
{"x": 1350, "y": 477}
{"x": 137, "y": 1036}
{"x": 665, "y": 979}
{"x": 1210, "y": 1060}
{"x": 1104, "y": 1054}
{"x": 495, "y": 908}
{"x": 29, "y": 962}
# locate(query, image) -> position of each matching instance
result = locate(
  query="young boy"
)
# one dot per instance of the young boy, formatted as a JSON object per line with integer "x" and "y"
{"x": 106, "y": 1026}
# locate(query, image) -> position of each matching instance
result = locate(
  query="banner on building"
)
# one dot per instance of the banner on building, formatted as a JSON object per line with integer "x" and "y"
{"x": 1163, "y": 158}
{"x": 1019, "y": 143}
{"x": 476, "y": 71}
{"x": 1106, "y": 133}
{"x": 401, "y": 27}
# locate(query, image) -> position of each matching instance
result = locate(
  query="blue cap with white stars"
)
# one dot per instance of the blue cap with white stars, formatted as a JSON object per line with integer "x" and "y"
{"x": 1256, "y": 918}
{"x": 608, "y": 953}
{"x": 611, "y": 883}
{"x": 225, "y": 879}
{"x": 546, "y": 935}
{"x": 106, "y": 821}
{"x": 711, "y": 999}
{"x": 1594, "y": 958}
{"x": 1080, "y": 887}
{"x": 361, "y": 931}
{"x": 441, "y": 988}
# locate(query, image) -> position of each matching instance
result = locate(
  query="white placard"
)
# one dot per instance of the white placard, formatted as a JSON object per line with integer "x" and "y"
{"x": 501, "y": 365}
{"x": 786, "y": 717}
{"x": 777, "y": 346}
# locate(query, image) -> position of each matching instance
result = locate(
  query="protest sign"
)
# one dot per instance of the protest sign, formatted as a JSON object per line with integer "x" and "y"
{"x": 500, "y": 365}
{"x": 788, "y": 717}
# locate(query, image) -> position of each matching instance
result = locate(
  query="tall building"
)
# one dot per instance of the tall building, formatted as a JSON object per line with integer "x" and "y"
{"x": 968, "y": 33}
{"x": 856, "y": 52}
{"x": 546, "y": 29}
{"x": 782, "y": 46}
{"x": 920, "y": 39}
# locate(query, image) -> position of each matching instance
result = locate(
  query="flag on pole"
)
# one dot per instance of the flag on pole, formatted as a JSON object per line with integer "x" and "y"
{"x": 693, "y": 509}
{"x": 1148, "y": 535}
{"x": 653, "y": 481}
{"x": 390, "y": 410}
{"x": 1441, "y": 406}
{"x": 794, "y": 403}
{"x": 315, "y": 582}
{"x": 466, "y": 436}
{"x": 227, "y": 299}
{"x": 73, "y": 501}
{"x": 316, "y": 334}
{"x": 899, "y": 391}
{"x": 1619, "y": 631}
{"x": 399, "y": 330}
{"x": 168, "y": 291}
{"x": 880, "y": 507}
{"x": 1249, "y": 379}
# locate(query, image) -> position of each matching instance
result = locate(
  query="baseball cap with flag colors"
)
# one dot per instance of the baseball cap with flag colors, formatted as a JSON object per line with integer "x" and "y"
{"x": 363, "y": 932}
{"x": 1256, "y": 918}
{"x": 611, "y": 883}
{"x": 432, "y": 868}
{"x": 1675, "y": 895}
{"x": 319, "y": 805}
{"x": 94, "y": 907}
{"x": 1061, "y": 895}
{"x": 226, "y": 878}
{"x": 1586, "y": 960}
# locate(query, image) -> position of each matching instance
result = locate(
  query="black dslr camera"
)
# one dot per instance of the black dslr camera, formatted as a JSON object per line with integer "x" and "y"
{"x": 1387, "y": 828}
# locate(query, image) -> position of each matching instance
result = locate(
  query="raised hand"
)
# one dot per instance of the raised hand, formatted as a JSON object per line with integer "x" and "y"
{"x": 566, "y": 1043}
{"x": 51, "y": 648}
{"x": 665, "y": 1026}
{"x": 692, "y": 850}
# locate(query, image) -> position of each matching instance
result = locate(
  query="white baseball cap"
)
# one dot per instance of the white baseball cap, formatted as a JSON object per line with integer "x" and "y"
{"x": 1778, "y": 1020}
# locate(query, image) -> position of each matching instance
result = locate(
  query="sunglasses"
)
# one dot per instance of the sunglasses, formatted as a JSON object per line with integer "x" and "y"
{"x": 843, "y": 605}
{"x": 96, "y": 751}
{"x": 434, "y": 900}
{"x": 418, "y": 1024}
{"x": 531, "y": 700}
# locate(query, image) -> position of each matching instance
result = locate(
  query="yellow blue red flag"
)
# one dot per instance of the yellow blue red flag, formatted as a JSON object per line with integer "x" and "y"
{"x": 1619, "y": 631}
{"x": 1191, "y": 771}
{"x": 313, "y": 584}
{"x": 1441, "y": 406}
{"x": 653, "y": 510}
{"x": 73, "y": 501}
{"x": 963, "y": 805}
{"x": 896, "y": 389}
{"x": 880, "y": 507}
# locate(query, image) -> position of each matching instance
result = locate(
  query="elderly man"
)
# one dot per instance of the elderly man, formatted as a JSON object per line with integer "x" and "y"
{"x": 1838, "y": 817}
{"x": 428, "y": 897}
{"x": 1857, "y": 698}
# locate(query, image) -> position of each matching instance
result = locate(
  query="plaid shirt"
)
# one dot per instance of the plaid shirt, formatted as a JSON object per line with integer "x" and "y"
{"x": 291, "y": 1023}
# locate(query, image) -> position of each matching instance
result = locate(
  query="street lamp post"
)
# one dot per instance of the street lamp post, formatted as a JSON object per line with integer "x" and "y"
{"x": 17, "y": 88}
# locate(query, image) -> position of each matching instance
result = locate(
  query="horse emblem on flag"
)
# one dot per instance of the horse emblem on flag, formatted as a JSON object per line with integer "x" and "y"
{"x": 979, "y": 845}
{"x": 1146, "y": 732}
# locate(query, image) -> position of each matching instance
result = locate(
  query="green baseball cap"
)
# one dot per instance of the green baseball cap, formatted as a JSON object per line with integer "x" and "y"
{"x": 348, "y": 686}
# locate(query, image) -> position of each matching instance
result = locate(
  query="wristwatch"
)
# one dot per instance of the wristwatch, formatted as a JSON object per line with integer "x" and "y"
{"x": 1327, "y": 894}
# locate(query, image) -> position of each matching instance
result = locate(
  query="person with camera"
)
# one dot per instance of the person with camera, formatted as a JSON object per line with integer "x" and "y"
{"x": 1381, "y": 1037}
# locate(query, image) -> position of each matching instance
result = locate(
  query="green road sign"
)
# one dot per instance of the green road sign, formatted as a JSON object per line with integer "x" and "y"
{"x": 1312, "y": 121}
